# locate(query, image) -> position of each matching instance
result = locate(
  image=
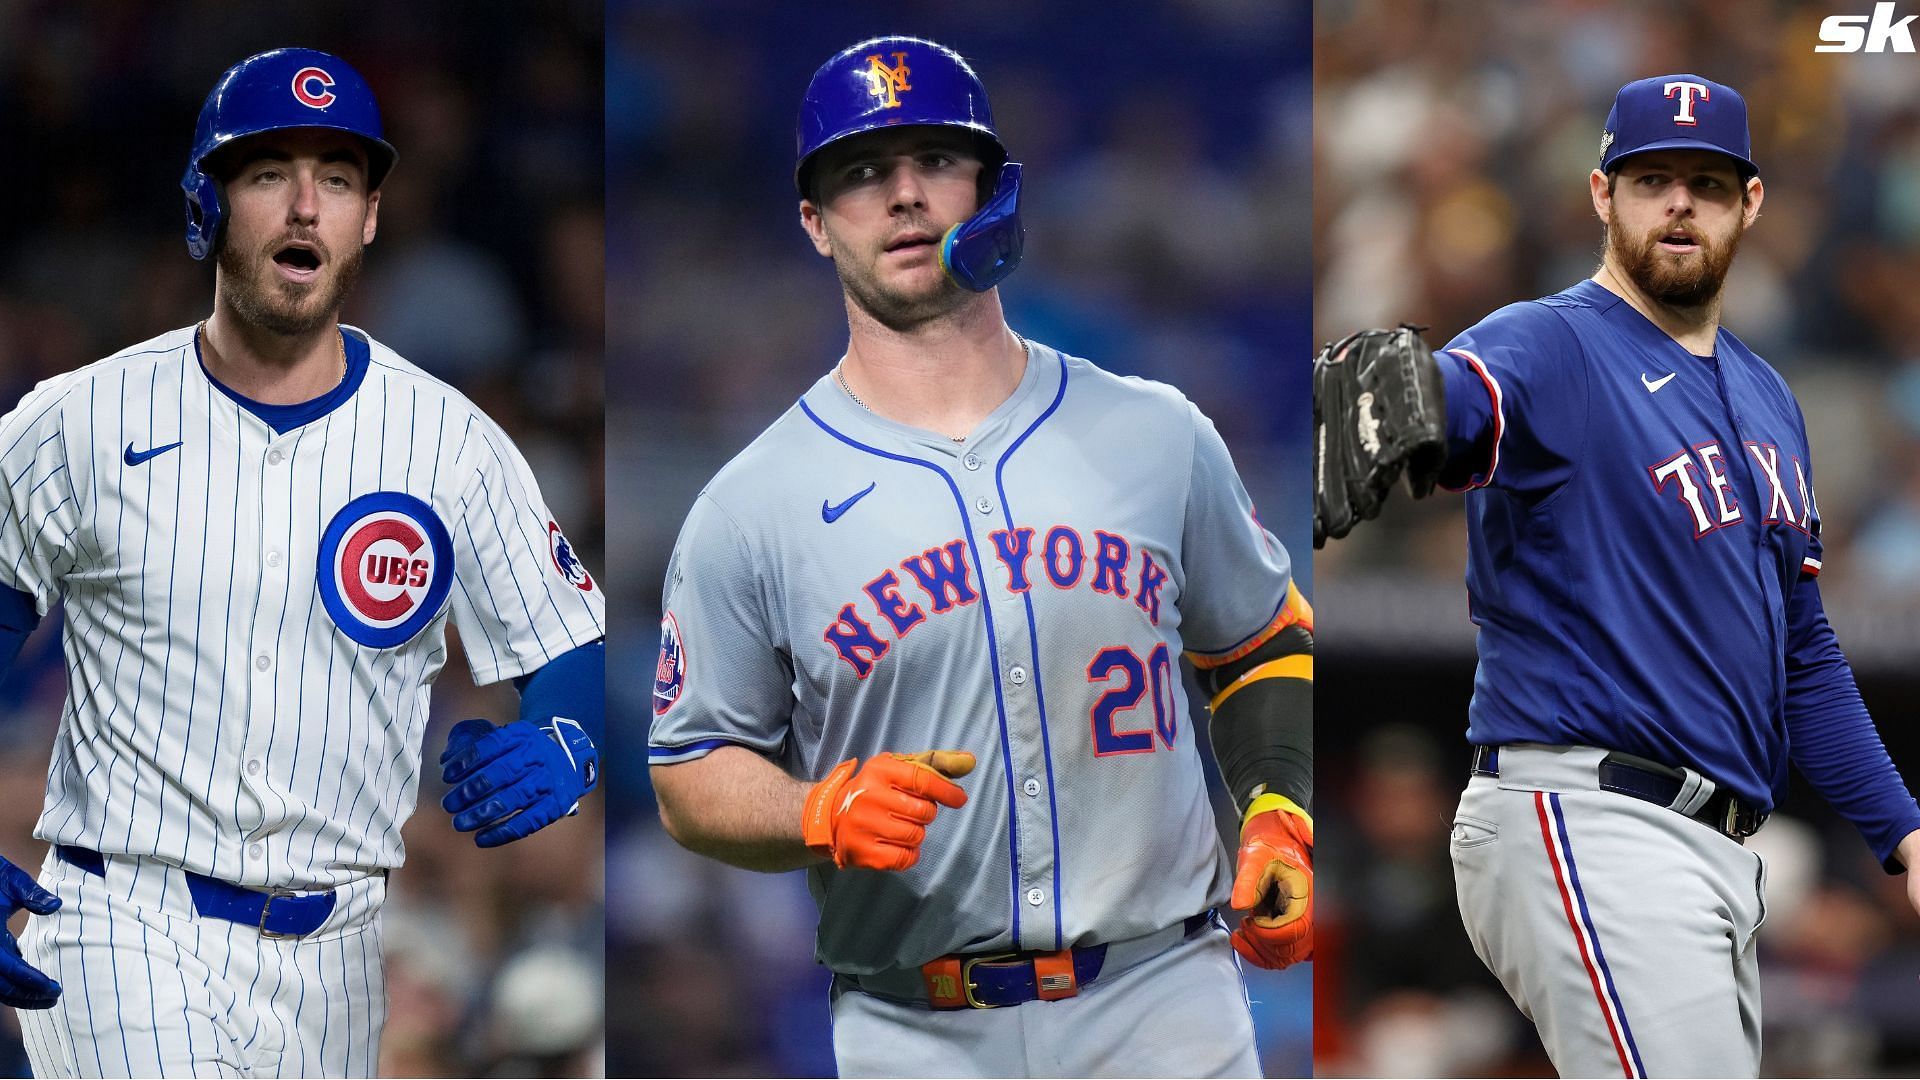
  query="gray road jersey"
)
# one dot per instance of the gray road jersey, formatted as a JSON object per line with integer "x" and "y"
{"x": 848, "y": 585}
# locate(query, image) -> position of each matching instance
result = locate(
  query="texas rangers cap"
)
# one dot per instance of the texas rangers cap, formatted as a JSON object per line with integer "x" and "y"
{"x": 1678, "y": 112}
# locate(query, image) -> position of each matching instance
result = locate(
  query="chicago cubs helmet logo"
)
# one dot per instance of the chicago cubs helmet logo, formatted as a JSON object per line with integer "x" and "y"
{"x": 565, "y": 561}
{"x": 313, "y": 87}
{"x": 671, "y": 676}
{"x": 888, "y": 82}
{"x": 385, "y": 568}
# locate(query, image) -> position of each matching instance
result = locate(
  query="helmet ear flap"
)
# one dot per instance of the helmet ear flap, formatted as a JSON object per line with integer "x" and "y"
{"x": 980, "y": 252}
{"x": 204, "y": 213}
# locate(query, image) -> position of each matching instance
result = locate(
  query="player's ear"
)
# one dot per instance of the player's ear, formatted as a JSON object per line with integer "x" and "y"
{"x": 816, "y": 226}
{"x": 1750, "y": 206}
{"x": 1602, "y": 193}
{"x": 373, "y": 218}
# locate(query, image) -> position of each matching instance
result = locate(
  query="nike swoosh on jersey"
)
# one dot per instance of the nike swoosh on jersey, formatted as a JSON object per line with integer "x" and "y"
{"x": 135, "y": 457}
{"x": 830, "y": 513}
{"x": 1653, "y": 385}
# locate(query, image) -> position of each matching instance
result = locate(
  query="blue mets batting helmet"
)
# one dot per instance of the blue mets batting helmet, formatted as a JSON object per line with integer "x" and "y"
{"x": 904, "y": 81}
{"x": 274, "y": 91}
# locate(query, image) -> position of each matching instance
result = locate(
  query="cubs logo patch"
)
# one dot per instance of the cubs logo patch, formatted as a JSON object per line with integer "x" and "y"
{"x": 565, "y": 561}
{"x": 385, "y": 568}
{"x": 313, "y": 87}
{"x": 671, "y": 676}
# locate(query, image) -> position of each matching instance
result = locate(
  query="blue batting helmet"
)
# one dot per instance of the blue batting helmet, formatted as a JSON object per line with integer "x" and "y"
{"x": 275, "y": 91}
{"x": 905, "y": 81}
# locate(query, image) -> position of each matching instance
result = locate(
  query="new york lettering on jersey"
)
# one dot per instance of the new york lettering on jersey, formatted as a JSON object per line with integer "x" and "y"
{"x": 937, "y": 609}
{"x": 1610, "y": 440}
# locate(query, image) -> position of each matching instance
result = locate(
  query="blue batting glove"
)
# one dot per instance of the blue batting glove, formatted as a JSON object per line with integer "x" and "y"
{"x": 22, "y": 985}
{"x": 510, "y": 782}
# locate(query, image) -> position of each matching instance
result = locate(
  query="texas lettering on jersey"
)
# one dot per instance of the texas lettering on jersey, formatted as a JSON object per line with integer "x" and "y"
{"x": 1696, "y": 473}
{"x": 945, "y": 576}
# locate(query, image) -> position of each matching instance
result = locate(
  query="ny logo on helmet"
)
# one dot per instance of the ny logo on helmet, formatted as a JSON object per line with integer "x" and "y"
{"x": 312, "y": 87}
{"x": 1688, "y": 92}
{"x": 888, "y": 82}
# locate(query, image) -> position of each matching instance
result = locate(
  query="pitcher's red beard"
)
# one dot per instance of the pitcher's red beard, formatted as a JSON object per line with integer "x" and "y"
{"x": 1675, "y": 280}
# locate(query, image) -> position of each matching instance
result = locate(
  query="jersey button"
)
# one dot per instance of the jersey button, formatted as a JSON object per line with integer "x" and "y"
{"x": 255, "y": 851}
{"x": 1031, "y": 787}
{"x": 262, "y": 663}
{"x": 273, "y": 558}
{"x": 275, "y": 457}
{"x": 1017, "y": 676}
{"x": 972, "y": 462}
{"x": 983, "y": 504}
{"x": 253, "y": 767}
{"x": 1036, "y": 897}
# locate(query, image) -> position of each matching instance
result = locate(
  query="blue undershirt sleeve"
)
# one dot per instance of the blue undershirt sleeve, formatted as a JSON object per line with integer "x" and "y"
{"x": 573, "y": 685}
{"x": 1831, "y": 737}
{"x": 18, "y": 617}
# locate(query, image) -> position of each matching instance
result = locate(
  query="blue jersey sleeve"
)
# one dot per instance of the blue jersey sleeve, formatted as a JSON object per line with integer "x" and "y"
{"x": 1831, "y": 738}
{"x": 1516, "y": 387}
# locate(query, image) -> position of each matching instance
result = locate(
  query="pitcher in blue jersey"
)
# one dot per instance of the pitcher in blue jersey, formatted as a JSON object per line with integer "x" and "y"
{"x": 1643, "y": 565}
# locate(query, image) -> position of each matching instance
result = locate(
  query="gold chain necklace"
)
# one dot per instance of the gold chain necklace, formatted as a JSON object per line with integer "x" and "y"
{"x": 339, "y": 342}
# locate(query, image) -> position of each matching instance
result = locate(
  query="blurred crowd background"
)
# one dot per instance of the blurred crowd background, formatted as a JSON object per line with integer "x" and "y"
{"x": 486, "y": 272}
{"x": 1452, "y": 145}
{"x": 1167, "y": 207}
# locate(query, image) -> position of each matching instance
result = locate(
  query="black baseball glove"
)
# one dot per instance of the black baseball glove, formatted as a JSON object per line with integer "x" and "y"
{"x": 1379, "y": 410}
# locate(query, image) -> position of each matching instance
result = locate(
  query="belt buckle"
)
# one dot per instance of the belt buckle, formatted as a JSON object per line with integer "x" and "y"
{"x": 271, "y": 894}
{"x": 966, "y": 976}
{"x": 1740, "y": 824}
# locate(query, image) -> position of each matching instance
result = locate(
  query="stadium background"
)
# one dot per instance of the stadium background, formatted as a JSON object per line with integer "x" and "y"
{"x": 1452, "y": 145}
{"x": 486, "y": 271}
{"x": 1167, "y": 208}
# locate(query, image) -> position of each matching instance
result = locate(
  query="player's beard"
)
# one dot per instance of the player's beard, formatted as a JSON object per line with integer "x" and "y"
{"x": 1676, "y": 282}
{"x": 897, "y": 309}
{"x": 287, "y": 308}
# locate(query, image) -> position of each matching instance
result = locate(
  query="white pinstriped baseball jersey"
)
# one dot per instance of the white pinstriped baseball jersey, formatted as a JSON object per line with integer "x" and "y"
{"x": 254, "y": 618}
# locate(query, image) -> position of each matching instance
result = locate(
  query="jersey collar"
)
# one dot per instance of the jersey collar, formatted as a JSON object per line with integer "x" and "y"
{"x": 284, "y": 418}
{"x": 831, "y": 403}
{"x": 1614, "y": 306}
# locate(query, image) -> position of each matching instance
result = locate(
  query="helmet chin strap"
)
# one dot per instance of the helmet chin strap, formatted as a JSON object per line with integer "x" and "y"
{"x": 981, "y": 251}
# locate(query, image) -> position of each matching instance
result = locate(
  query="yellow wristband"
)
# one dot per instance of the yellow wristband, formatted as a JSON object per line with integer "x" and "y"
{"x": 1273, "y": 801}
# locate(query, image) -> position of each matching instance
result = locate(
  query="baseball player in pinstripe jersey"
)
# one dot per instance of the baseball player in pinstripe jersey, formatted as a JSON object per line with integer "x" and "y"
{"x": 922, "y": 638}
{"x": 259, "y": 528}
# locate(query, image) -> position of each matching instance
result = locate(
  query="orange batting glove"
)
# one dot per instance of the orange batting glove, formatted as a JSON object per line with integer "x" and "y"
{"x": 877, "y": 816}
{"x": 1274, "y": 884}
